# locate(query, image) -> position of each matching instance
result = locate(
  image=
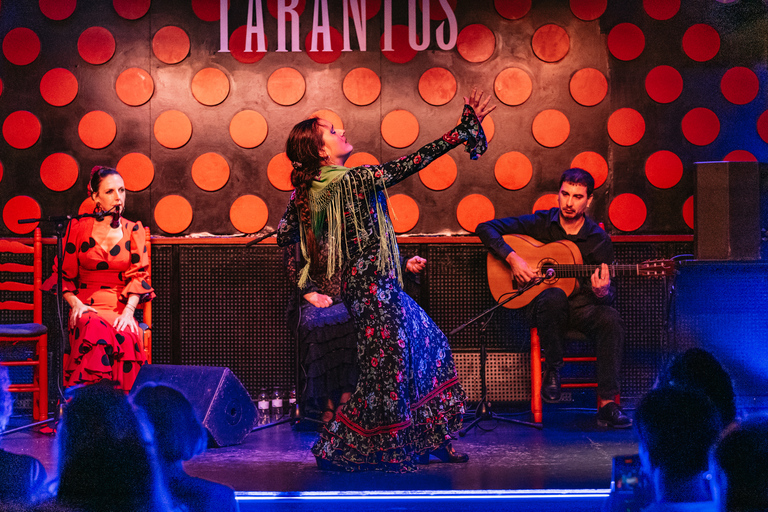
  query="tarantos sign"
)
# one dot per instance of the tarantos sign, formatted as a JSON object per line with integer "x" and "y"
{"x": 354, "y": 16}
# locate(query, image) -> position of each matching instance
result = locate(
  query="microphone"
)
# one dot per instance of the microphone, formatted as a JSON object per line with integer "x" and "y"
{"x": 115, "y": 217}
{"x": 549, "y": 274}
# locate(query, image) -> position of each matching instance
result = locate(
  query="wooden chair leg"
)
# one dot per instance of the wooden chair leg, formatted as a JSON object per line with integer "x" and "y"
{"x": 536, "y": 405}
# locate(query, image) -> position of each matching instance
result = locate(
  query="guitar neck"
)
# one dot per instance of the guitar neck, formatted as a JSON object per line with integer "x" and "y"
{"x": 573, "y": 270}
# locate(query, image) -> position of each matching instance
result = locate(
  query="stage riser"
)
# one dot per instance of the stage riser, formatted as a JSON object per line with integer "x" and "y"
{"x": 223, "y": 305}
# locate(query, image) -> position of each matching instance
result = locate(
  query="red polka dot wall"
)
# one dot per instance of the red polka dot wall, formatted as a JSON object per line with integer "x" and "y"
{"x": 635, "y": 92}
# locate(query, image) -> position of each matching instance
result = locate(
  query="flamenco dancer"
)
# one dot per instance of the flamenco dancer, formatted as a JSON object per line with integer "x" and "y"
{"x": 408, "y": 399}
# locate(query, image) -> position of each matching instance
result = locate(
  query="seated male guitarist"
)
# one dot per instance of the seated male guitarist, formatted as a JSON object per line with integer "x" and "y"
{"x": 588, "y": 309}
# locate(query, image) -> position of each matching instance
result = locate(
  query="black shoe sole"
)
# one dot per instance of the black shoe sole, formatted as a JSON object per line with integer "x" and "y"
{"x": 603, "y": 423}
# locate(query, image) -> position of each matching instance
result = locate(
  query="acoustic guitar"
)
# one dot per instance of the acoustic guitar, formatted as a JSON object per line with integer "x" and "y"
{"x": 564, "y": 258}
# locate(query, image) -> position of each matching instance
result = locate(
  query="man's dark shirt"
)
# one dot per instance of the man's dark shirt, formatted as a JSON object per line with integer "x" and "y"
{"x": 544, "y": 225}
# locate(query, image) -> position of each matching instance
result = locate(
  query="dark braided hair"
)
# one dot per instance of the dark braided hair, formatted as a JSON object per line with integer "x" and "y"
{"x": 303, "y": 150}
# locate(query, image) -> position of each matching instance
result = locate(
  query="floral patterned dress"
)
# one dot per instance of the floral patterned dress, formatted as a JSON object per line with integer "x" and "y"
{"x": 103, "y": 279}
{"x": 408, "y": 397}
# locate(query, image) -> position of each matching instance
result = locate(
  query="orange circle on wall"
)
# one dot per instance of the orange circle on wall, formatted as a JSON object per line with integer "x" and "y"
{"x": 237, "y": 46}
{"x": 550, "y": 43}
{"x": 279, "y": 172}
{"x": 21, "y": 129}
{"x": 131, "y": 9}
{"x": 97, "y": 129}
{"x": 664, "y": 169}
{"x": 545, "y": 202}
{"x": 401, "y": 51}
{"x": 404, "y": 212}
{"x": 739, "y": 155}
{"x": 320, "y": 55}
{"x": 96, "y": 45}
{"x": 171, "y": 44}
{"x": 173, "y": 214}
{"x": 588, "y": 87}
{"x": 701, "y": 42}
{"x": 513, "y": 86}
{"x": 701, "y": 126}
{"x": 476, "y": 43}
{"x": 87, "y": 206}
{"x": 248, "y": 129}
{"x": 627, "y": 212}
{"x": 474, "y": 209}
{"x": 513, "y": 170}
{"x": 137, "y": 171}
{"x": 661, "y": 9}
{"x": 437, "y": 86}
{"x": 440, "y": 174}
{"x": 208, "y": 10}
{"x": 330, "y": 116}
{"x": 249, "y": 214}
{"x": 588, "y": 10}
{"x": 762, "y": 126}
{"x": 550, "y": 128}
{"x": 740, "y": 85}
{"x": 512, "y": 9}
{"x": 21, "y": 46}
{"x": 134, "y": 87}
{"x": 626, "y": 41}
{"x": 173, "y": 129}
{"x": 210, "y": 86}
{"x": 59, "y": 172}
{"x": 57, "y": 9}
{"x": 210, "y": 171}
{"x": 361, "y": 86}
{"x": 626, "y": 126}
{"x": 489, "y": 127}
{"x": 400, "y": 128}
{"x": 286, "y": 86}
{"x": 361, "y": 158}
{"x": 18, "y": 208}
{"x": 664, "y": 84}
{"x": 594, "y": 164}
{"x": 688, "y": 212}
{"x": 58, "y": 87}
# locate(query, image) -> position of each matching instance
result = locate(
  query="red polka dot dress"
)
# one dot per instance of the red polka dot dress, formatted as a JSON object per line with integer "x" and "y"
{"x": 103, "y": 278}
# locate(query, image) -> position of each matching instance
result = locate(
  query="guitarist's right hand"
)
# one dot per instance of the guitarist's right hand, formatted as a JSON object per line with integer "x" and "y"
{"x": 521, "y": 272}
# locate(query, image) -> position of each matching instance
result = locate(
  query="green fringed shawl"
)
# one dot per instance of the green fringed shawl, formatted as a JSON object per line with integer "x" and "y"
{"x": 327, "y": 197}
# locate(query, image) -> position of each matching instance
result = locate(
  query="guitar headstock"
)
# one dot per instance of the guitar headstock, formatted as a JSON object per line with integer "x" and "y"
{"x": 656, "y": 268}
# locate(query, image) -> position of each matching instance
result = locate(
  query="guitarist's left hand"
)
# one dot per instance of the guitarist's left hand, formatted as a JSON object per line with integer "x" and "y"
{"x": 601, "y": 281}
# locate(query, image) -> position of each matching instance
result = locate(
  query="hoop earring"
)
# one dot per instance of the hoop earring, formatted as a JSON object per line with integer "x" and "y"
{"x": 98, "y": 209}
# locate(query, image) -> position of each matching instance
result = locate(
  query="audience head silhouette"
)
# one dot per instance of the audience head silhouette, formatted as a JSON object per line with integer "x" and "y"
{"x": 699, "y": 370}
{"x": 178, "y": 433}
{"x": 739, "y": 467}
{"x": 676, "y": 429}
{"x": 105, "y": 455}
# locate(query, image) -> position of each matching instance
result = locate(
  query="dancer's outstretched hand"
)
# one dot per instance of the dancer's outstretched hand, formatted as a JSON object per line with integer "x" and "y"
{"x": 481, "y": 107}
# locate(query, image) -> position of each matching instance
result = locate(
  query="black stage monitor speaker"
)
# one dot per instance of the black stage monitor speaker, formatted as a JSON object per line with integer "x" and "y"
{"x": 219, "y": 399}
{"x": 727, "y": 211}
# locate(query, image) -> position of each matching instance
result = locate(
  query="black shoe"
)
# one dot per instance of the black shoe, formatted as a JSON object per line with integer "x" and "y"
{"x": 446, "y": 454}
{"x": 611, "y": 415}
{"x": 550, "y": 386}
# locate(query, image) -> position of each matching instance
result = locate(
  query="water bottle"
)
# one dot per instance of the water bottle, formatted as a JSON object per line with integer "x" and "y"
{"x": 292, "y": 402}
{"x": 277, "y": 404}
{"x": 262, "y": 403}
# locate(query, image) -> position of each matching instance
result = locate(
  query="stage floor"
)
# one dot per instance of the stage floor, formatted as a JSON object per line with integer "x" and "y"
{"x": 570, "y": 452}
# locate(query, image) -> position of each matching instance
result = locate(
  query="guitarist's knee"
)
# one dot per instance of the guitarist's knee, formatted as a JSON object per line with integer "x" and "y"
{"x": 553, "y": 298}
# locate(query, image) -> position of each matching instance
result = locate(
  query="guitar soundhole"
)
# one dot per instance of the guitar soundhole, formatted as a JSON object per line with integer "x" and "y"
{"x": 545, "y": 265}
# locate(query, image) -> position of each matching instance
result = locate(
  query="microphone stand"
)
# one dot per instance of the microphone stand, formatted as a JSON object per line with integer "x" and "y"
{"x": 60, "y": 223}
{"x": 483, "y": 411}
{"x": 295, "y": 412}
